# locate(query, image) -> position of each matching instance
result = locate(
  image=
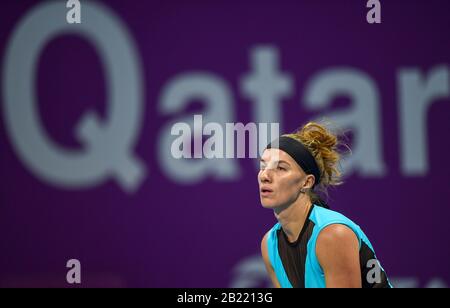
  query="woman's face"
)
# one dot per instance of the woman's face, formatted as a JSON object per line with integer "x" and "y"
{"x": 280, "y": 179}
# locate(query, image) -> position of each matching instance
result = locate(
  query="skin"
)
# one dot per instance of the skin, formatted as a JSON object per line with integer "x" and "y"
{"x": 337, "y": 247}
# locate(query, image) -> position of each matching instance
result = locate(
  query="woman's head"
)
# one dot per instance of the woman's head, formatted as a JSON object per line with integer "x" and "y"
{"x": 282, "y": 179}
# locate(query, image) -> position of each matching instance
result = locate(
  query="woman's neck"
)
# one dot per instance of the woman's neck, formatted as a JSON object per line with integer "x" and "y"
{"x": 293, "y": 217}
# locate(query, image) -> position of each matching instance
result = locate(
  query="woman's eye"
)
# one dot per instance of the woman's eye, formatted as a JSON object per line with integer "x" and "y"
{"x": 281, "y": 168}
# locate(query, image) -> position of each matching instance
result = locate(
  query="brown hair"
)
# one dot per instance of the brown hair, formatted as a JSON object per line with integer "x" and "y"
{"x": 327, "y": 149}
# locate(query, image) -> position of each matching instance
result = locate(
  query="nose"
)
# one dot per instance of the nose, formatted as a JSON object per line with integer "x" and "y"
{"x": 265, "y": 176}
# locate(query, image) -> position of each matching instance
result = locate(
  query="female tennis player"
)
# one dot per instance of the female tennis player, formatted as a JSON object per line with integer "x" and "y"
{"x": 311, "y": 246}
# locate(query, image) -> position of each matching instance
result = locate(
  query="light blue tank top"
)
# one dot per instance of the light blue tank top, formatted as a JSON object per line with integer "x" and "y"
{"x": 313, "y": 275}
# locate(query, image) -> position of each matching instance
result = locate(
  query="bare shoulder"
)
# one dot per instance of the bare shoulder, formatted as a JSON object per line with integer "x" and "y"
{"x": 337, "y": 251}
{"x": 336, "y": 234}
{"x": 337, "y": 245}
{"x": 267, "y": 264}
{"x": 264, "y": 246}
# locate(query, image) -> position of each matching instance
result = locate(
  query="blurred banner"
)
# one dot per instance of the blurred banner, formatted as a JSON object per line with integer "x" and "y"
{"x": 90, "y": 92}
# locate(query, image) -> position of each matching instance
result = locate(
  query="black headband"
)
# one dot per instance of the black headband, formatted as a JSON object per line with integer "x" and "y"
{"x": 299, "y": 153}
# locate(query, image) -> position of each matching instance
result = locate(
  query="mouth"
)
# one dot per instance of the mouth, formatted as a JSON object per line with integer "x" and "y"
{"x": 265, "y": 191}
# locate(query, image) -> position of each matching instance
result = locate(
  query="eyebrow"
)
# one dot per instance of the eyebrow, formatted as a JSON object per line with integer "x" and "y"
{"x": 280, "y": 161}
{"x": 283, "y": 161}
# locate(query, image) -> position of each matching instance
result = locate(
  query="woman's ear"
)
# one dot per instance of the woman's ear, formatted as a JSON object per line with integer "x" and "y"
{"x": 310, "y": 180}
{"x": 309, "y": 183}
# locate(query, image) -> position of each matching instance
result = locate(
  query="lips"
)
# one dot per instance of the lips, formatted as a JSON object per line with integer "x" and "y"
{"x": 265, "y": 191}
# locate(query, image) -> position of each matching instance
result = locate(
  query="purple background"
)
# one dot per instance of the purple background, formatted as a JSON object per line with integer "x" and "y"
{"x": 170, "y": 235}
